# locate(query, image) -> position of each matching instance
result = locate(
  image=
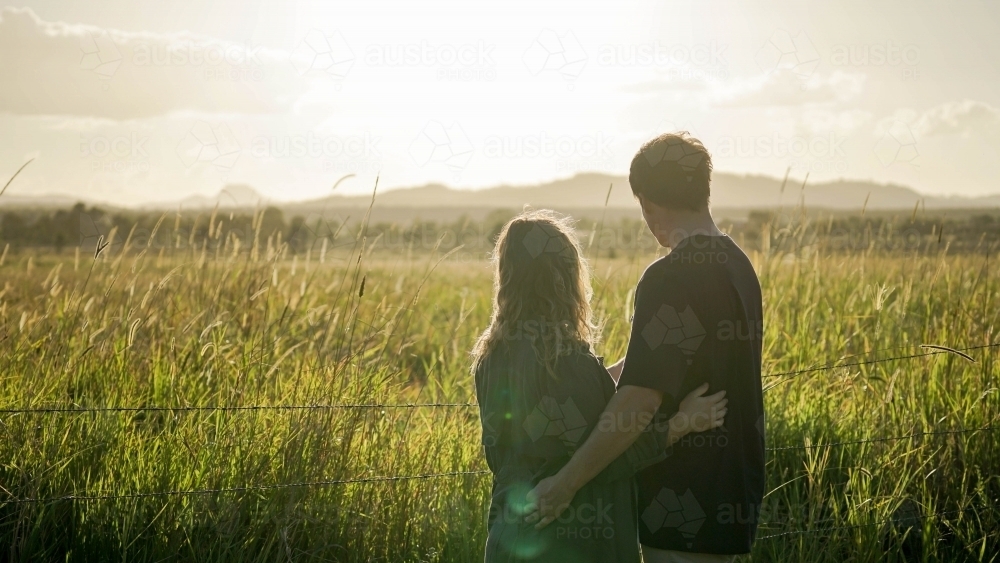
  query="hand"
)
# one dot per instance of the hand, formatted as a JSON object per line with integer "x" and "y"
{"x": 547, "y": 501}
{"x": 698, "y": 413}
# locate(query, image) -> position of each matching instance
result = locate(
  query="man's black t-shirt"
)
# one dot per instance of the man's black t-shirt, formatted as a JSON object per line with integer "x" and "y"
{"x": 698, "y": 318}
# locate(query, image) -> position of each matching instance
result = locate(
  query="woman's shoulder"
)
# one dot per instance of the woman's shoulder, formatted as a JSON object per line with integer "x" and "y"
{"x": 522, "y": 356}
{"x": 584, "y": 357}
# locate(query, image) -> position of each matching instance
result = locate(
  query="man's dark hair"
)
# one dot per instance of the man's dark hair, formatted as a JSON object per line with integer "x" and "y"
{"x": 674, "y": 171}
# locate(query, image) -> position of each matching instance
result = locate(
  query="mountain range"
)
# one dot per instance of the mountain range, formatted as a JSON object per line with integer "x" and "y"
{"x": 730, "y": 193}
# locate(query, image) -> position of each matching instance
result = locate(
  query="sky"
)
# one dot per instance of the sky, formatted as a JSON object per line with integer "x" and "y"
{"x": 137, "y": 101}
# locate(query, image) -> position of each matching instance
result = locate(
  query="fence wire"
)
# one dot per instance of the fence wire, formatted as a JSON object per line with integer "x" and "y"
{"x": 391, "y": 478}
{"x": 235, "y": 408}
{"x": 988, "y": 428}
{"x": 935, "y": 350}
{"x": 902, "y": 522}
{"x": 244, "y": 489}
{"x": 898, "y": 521}
{"x": 455, "y": 474}
{"x": 346, "y": 406}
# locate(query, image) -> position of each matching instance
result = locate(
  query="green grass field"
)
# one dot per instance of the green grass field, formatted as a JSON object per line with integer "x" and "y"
{"x": 223, "y": 326}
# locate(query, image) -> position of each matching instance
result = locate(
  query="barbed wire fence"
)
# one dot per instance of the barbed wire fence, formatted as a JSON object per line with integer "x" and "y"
{"x": 932, "y": 351}
{"x": 936, "y": 350}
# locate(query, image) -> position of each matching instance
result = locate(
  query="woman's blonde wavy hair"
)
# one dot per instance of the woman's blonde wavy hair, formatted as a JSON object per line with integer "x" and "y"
{"x": 541, "y": 290}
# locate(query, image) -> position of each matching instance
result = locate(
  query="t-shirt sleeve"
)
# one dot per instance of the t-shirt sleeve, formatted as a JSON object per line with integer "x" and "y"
{"x": 665, "y": 334}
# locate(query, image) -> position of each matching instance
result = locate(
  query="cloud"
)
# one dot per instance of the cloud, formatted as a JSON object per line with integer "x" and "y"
{"x": 966, "y": 117}
{"x": 667, "y": 85}
{"x": 56, "y": 68}
{"x": 817, "y": 121}
{"x": 784, "y": 88}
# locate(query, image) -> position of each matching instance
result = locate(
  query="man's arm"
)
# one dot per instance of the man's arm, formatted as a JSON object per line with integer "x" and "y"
{"x": 605, "y": 443}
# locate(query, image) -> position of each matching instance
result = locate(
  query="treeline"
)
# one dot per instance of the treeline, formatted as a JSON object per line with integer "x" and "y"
{"x": 965, "y": 233}
{"x": 82, "y": 227}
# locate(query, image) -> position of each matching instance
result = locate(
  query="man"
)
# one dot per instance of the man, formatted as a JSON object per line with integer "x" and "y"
{"x": 698, "y": 319}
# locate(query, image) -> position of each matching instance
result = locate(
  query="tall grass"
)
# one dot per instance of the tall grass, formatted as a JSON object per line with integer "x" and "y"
{"x": 226, "y": 324}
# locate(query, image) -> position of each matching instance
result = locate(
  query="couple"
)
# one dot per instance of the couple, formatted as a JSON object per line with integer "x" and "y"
{"x": 589, "y": 462}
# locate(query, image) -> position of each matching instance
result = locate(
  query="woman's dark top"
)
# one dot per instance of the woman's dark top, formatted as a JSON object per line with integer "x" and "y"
{"x": 533, "y": 421}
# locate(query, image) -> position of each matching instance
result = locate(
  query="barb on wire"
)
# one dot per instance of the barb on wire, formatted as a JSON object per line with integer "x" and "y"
{"x": 193, "y": 492}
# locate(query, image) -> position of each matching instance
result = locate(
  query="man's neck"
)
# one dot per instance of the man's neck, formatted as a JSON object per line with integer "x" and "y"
{"x": 683, "y": 225}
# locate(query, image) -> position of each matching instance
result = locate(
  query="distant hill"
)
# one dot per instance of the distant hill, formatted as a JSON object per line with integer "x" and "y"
{"x": 730, "y": 193}
{"x": 231, "y": 196}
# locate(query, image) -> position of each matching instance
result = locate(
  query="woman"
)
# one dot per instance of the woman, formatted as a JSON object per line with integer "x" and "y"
{"x": 541, "y": 391}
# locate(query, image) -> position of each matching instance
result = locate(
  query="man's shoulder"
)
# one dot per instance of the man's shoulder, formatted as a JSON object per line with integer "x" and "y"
{"x": 657, "y": 270}
{"x": 662, "y": 274}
